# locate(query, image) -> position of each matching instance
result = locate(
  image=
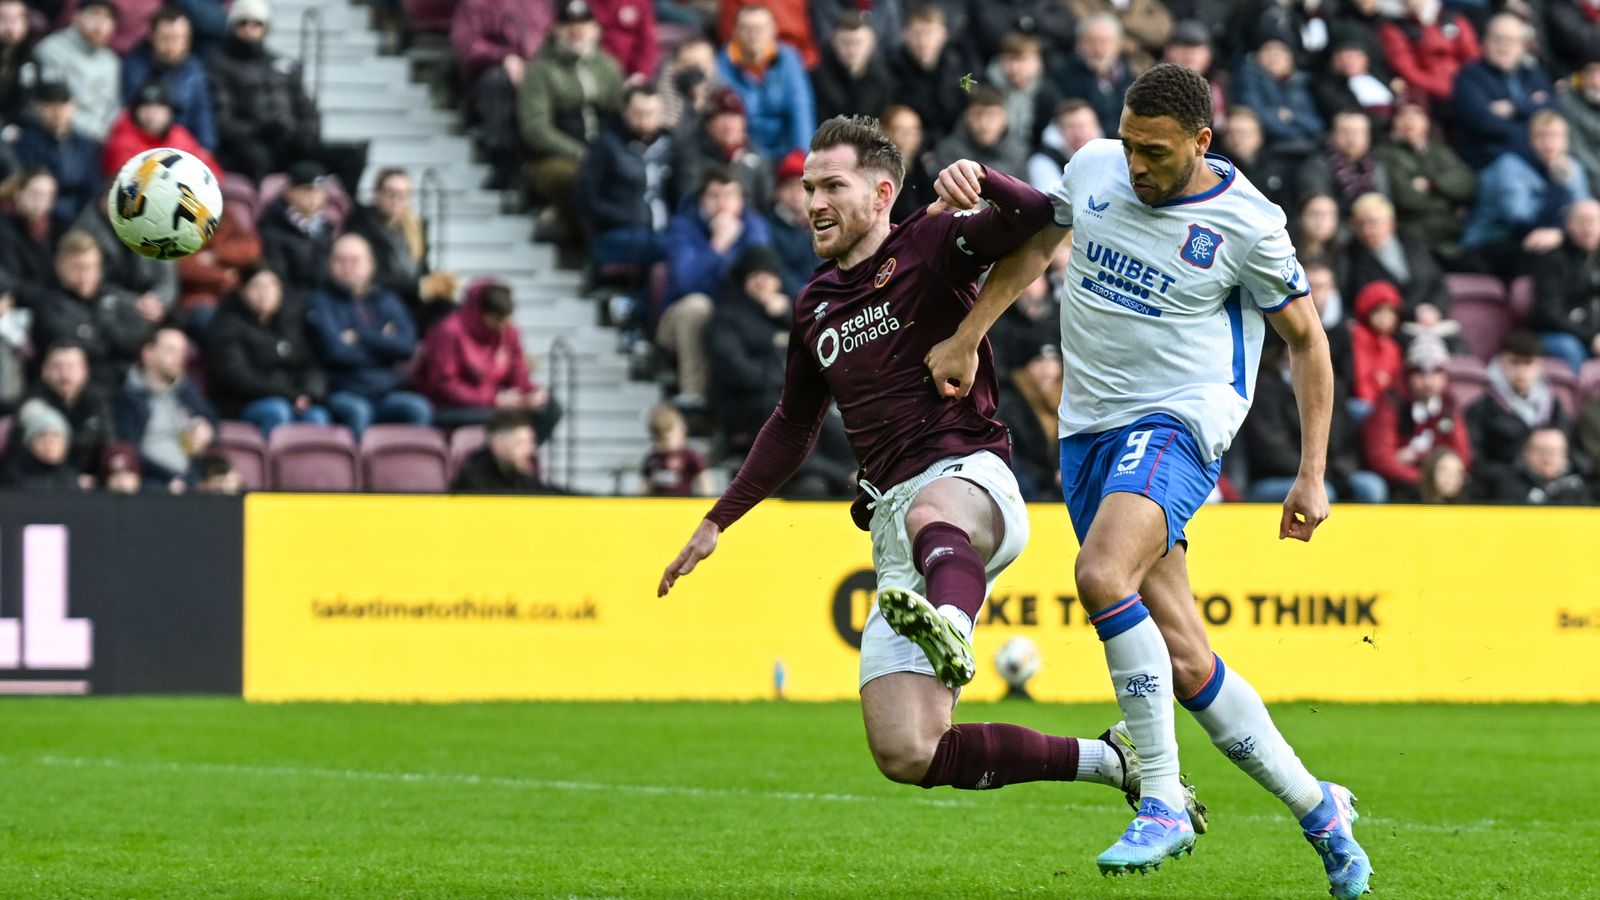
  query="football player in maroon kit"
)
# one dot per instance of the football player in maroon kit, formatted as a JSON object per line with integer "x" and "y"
{"x": 937, "y": 493}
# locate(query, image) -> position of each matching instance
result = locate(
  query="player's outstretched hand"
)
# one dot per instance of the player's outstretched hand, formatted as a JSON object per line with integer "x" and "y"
{"x": 959, "y": 184}
{"x": 953, "y": 363}
{"x": 1304, "y": 509}
{"x": 700, "y": 546}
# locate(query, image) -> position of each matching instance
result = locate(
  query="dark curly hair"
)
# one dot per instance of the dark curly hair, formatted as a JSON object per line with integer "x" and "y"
{"x": 1172, "y": 91}
{"x": 873, "y": 148}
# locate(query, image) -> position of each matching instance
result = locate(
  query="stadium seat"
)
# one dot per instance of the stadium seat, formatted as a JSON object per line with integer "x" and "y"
{"x": 1484, "y": 325}
{"x": 404, "y": 459}
{"x": 308, "y": 457}
{"x": 241, "y": 444}
{"x": 464, "y": 442}
{"x": 238, "y": 192}
{"x": 1589, "y": 380}
{"x": 1521, "y": 299}
{"x": 1478, "y": 288}
{"x": 429, "y": 15}
{"x": 5, "y": 433}
{"x": 1563, "y": 382}
{"x": 1467, "y": 379}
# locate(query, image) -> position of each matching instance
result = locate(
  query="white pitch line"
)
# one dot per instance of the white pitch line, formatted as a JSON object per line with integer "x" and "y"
{"x": 657, "y": 790}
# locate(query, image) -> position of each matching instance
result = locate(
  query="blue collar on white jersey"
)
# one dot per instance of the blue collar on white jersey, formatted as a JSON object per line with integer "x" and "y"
{"x": 1214, "y": 190}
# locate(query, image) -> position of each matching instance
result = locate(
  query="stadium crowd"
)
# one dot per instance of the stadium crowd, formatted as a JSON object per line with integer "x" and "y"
{"x": 123, "y": 373}
{"x": 1438, "y": 164}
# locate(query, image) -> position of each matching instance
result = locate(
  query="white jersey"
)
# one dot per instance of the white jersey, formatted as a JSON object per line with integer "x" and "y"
{"x": 1161, "y": 309}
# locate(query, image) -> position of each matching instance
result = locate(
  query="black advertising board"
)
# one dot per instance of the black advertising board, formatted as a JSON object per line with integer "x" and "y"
{"x": 108, "y": 594}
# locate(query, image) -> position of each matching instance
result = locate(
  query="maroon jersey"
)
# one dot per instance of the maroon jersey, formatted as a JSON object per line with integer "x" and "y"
{"x": 672, "y": 474}
{"x": 859, "y": 337}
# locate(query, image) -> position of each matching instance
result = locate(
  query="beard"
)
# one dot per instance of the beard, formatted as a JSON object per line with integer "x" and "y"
{"x": 1177, "y": 188}
{"x": 848, "y": 230}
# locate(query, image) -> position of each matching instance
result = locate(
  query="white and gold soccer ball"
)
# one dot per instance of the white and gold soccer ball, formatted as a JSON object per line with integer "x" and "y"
{"x": 1016, "y": 661}
{"x": 165, "y": 203}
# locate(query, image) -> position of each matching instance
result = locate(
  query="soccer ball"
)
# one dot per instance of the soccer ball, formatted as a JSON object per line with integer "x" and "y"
{"x": 1017, "y": 660}
{"x": 165, "y": 203}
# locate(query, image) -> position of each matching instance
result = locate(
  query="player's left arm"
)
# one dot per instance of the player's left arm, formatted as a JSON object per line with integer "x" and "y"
{"x": 1278, "y": 284}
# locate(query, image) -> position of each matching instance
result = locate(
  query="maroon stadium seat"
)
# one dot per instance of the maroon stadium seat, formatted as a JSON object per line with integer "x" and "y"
{"x": 1467, "y": 379}
{"x": 1483, "y": 288}
{"x": 1589, "y": 380}
{"x": 429, "y": 15}
{"x": 313, "y": 458}
{"x": 5, "y": 433}
{"x": 242, "y": 445}
{"x": 464, "y": 442}
{"x": 1521, "y": 299}
{"x": 404, "y": 459}
{"x": 1563, "y": 382}
{"x": 1483, "y": 325}
{"x": 238, "y": 192}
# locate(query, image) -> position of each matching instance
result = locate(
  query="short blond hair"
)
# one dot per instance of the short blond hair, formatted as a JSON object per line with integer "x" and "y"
{"x": 1374, "y": 203}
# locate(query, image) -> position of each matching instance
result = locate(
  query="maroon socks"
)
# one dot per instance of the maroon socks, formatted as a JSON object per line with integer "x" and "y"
{"x": 943, "y": 554}
{"x": 980, "y": 757}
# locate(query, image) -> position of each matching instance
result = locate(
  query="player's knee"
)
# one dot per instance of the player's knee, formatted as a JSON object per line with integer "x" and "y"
{"x": 1100, "y": 584}
{"x": 903, "y": 758}
{"x": 920, "y": 516}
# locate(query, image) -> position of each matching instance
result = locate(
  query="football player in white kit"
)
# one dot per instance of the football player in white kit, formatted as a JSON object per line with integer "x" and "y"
{"x": 1177, "y": 264}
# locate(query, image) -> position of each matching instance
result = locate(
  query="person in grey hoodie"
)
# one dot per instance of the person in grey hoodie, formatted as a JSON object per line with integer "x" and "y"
{"x": 163, "y": 414}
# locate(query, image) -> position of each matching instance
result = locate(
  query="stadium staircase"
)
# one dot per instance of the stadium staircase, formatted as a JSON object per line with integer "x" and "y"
{"x": 365, "y": 94}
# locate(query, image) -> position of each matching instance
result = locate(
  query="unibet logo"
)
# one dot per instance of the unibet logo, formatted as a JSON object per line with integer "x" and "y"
{"x": 859, "y": 330}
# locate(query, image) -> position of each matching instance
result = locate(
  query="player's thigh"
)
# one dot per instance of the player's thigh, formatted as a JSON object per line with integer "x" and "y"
{"x": 1128, "y": 536}
{"x": 906, "y": 713}
{"x": 1170, "y": 600}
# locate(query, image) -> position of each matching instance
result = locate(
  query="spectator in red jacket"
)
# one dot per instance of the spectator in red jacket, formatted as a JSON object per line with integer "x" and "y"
{"x": 472, "y": 365}
{"x": 493, "y": 42}
{"x": 1409, "y": 423}
{"x": 1374, "y": 351}
{"x": 146, "y": 124}
{"x": 628, "y": 33}
{"x": 1427, "y": 47}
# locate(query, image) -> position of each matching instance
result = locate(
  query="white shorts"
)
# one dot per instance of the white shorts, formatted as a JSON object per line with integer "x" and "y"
{"x": 883, "y": 651}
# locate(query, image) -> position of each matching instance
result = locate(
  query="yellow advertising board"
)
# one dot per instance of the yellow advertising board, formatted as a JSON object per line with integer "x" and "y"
{"x": 459, "y": 598}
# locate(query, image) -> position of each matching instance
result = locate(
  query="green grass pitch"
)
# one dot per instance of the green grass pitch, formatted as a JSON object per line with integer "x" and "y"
{"x": 205, "y": 797}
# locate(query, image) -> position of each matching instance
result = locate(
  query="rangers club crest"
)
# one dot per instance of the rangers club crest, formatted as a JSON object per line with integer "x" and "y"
{"x": 1200, "y": 248}
{"x": 884, "y": 273}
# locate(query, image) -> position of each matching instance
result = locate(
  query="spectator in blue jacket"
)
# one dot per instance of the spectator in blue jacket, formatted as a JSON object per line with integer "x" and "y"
{"x": 772, "y": 81}
{"x": 166, "y": 55}
{"x": 364, "y": 336}
{"x": 50, "y": 140}
{"x": 1497, "y": 94}
{"x": 162, "y": 413}
{"x": 1281, "y": 97}
{"x": 1523, "y": 195}
{"x": 709, "y": 233}
{"x": 624, "y": 184}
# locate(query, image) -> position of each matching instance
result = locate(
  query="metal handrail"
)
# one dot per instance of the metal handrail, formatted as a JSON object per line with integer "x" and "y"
{"x": 431, "y": 185}
{"x": 564, "y": 383}
{"x": 311, "y": 29}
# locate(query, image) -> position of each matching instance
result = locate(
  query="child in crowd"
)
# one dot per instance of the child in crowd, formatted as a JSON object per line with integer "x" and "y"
{"x": 673, "y": 469}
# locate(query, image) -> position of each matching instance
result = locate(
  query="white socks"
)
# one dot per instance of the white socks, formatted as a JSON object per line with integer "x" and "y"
{"x": 1233, "y": 715}
{"x": 1098, "y": 763}
{"x": 1141, "y": 677}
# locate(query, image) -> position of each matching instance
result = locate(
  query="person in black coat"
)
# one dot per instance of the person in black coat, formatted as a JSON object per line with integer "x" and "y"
{"x": 1425, "y": 298}
{"x": 17, "y": 64}
{"x": 399, "y": 239}
{"x": 41, "y": 461}
{"x": 258, "y": 365}
{"x": 1544, "y": 474}
{"x": 625, "y": 185}
{"x": 1566, "y": 289}
{"x": 508, "y": 463}
{"x": 903, "y": 125}
{"x": 1098, "y": 72}
{"x": 1029, "y": 397}
{"x": 296, "y": 234}
{"x": 747, "y": 342}
{"x": 78, "y": 304}
{"x": 1518, "y": 402}
{"x": 1032, "y": 321}
{"x": 928, "y": 73}
{"x": 64, "y": 385}
{"x": 28, "y": 233}
{"x": 265, "y": 119}
{"x": 852, "y": 77}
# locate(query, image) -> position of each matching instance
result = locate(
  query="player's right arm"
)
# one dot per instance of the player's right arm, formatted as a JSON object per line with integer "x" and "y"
{"x": 780, "y": 447}
{"x": 953, "y": 362}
